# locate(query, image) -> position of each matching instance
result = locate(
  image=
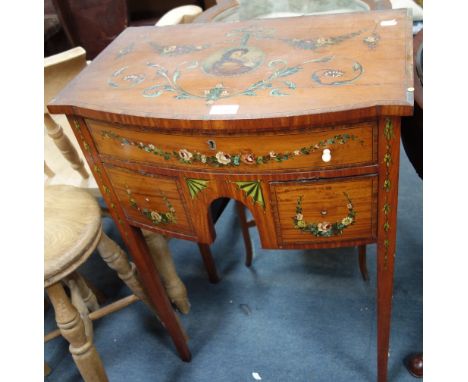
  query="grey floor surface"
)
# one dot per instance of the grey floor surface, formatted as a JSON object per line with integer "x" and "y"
{"x": 294, "y": 316}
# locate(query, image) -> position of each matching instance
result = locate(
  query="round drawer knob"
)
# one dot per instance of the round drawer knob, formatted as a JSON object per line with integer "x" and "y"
{"x": 323, "y": 212}
{"x": 326, "y": 155}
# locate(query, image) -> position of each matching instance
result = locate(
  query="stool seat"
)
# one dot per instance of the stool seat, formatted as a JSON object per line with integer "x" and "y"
{"x": 72, "y": 229}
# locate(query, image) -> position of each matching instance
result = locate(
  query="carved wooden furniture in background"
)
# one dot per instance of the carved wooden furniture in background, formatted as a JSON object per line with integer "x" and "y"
{"x": 95, "y": 23}
{"x": 296, "y": 118}
{"x": 72, "y": 231}
{"x": 180, "y": 15}
{"x": 59, "y": 70}
{"x": 92, "y": 25}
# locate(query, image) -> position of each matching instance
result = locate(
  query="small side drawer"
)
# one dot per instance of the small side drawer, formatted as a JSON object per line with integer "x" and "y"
{"x": 151, "y": 200}
{"x": 327, "y": 147}
{"x": 324, "y": 211}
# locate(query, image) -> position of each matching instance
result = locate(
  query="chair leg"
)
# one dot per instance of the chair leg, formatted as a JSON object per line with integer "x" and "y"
{"x": 162, "y": 259}
{"x": 48, "y": 171}
{"x": 84, "y": 290}
{"x": 72, "y": 328}
{"x": 65, "y": 146}
{"x": 210, "y": 266}
{"x": 78, "y": 302}
{"x": 363, "y": 262}
{"x": 100, "y": 297}
{"x": 116, "y": 259}
{"x": 245, "y": 233}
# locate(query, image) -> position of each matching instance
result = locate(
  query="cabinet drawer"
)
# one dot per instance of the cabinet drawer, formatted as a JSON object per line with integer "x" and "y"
{"x": 349, "y": 145}
{"x": 151, "y": 200}
{"x": 324, "y": 211}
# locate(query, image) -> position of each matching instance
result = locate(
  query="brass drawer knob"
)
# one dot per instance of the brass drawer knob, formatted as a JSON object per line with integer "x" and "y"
{"x": 326, "y": 155}
{"x": 323, "y": 212}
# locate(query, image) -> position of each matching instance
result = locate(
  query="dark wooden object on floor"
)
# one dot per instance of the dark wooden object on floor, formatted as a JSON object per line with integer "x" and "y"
{"x": 297, "y": 119}
{"x": 414, "y": 364}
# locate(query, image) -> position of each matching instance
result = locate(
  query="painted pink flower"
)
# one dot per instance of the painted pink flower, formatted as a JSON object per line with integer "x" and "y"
{"x": 248, "y": 158}
{"x": 185, "y": 155}
{"x": 299, "y": 216}
{"x": 324, "y": 226}
{"x": 273, "y": 154}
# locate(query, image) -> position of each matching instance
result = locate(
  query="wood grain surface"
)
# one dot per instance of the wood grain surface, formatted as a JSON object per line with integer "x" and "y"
{"x": 350, "y": 145}
{"x": 334, "y": 66}
{"x": 148, "y": 192}
{"x": 72, "y": 229}
{"x": 324, "y": 201}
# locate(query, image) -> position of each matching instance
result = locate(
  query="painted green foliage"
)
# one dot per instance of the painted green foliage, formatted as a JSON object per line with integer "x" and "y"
{"x": 156, "y": 217}
{"x": 232, "y": 61}
{"x": 195, "y": 186}
{"x": 176, "y": 50}
{"x": 324, "y": 229}
{"x": 219, "y": 91}
{"x": 321, "y": 42}
{"x": 252, "y": 189}
{"x": 222, "y": 159}
{"x": 387, "y": 185}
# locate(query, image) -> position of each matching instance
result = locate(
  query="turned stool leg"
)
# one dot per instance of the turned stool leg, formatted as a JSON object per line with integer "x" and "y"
{"x": 72, "y": 328}
{"x": 117, "y": 260}
{"x": 363, "y": 262}
{"x": 77, "y": 289}
{"x": 86, "y": 293}
{"x": 162, "y": 259}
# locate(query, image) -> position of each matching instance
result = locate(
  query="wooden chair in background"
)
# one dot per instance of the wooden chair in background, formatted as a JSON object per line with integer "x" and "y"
{"x": 72, "y": 232}
{"x": 180, "y": 15}
{"x": 64, "y": 164}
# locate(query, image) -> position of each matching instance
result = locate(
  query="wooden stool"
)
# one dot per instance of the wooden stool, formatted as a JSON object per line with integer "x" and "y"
{"x": 71, "y": 234}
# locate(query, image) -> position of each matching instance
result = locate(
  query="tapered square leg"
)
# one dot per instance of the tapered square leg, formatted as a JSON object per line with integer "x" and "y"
{"x": 389, "y": 155}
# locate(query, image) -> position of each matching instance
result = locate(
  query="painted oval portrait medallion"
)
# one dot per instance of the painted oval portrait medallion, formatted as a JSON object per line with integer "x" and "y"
{"x": 233, "y": 61}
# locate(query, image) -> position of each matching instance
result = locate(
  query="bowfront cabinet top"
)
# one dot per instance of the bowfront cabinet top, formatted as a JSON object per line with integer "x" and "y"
{"x": 295, "y": 72}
